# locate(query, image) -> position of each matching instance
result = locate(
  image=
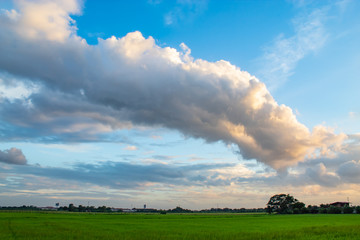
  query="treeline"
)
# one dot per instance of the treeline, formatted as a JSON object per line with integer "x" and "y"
{"x": 281, "y": 204}
{"x": 325, "y": 208}
{"x": 235, "y": 210}
{"x": 215, "y": 210}
{"x": 81, "y": 208}
{"x": 104, "y": 209}
{"x": 287, "y": 204}
{"x": 70, "y": 208}
{"x": 21, "y": 208}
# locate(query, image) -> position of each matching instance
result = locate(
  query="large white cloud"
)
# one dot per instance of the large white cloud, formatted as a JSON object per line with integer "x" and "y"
{"x": 131, "y": 79}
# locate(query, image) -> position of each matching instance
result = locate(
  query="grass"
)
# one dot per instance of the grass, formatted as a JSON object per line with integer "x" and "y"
{"x": 42, "y": 225}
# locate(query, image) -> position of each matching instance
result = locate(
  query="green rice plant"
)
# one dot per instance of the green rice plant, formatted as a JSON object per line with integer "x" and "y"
{"x": 55, "y": 225}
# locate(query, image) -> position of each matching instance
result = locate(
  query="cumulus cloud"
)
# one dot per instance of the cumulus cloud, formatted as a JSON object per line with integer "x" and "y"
{"x": 87, "y": 90}
{"x": 13, "y": 156}
{"x": 45, "y": 19}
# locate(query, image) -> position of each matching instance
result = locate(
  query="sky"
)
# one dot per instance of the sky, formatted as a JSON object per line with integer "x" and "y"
{"x": 197, "y": 104}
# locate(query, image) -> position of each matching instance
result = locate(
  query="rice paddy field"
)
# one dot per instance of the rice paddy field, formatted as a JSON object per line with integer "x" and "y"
{"x": 56, "y": 225}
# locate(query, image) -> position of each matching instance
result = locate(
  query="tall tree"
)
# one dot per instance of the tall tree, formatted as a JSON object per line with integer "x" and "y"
{"x": 282, "y": 203}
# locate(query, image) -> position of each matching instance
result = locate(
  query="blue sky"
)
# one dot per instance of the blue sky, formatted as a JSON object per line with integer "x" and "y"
{"x": 191, "y": 103}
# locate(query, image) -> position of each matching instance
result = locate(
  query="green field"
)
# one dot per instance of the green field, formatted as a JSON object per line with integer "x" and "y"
{"x": 42, "y": 225}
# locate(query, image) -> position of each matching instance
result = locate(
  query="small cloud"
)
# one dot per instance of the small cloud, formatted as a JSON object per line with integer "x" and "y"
{"x": 352, "y": 114}
{"x": 185, "y": 10}
{"x": 13, "y": 156}
{"x": 163, "y": 157}
{"x": 156, "y": 137}
{"x": 154, "y": 2}
{"x": 169, "y": 18}
{"x": 131, "y": 148}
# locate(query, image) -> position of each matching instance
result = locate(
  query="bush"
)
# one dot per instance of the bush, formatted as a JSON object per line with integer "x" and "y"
{"x": 304, "y": 210}
{"x": 322, "y": 210}
{"x": 348, "y": 210}
{"x": 313, "y": 209}
{"x": 357, "y": 209}
{"x": 334, "y": 210}
{"x": 296, "y": 211}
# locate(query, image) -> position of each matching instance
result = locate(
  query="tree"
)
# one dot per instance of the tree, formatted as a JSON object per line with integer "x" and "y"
{"x": 298, "y": 205}
{"x": 71, "y": 207}
{"x": 283, "y": 203}
{"x": 348, "y": 210}
{"x": 333, "y": 210}
{"x": 357, "y": 208}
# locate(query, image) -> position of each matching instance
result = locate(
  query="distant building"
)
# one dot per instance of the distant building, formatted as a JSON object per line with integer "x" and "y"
{"x": 48, "y": 208}
{"x": 116, "y": 209}
{"x": 144, "y": 210}
{"x": 127, "y": 210}
{"x": 340, "y": 204}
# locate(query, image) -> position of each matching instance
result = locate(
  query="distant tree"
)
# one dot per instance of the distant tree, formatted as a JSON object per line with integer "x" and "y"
{"x": 357, "y": 208}
{"x": 322, "y": 210}
{"x": 348, "y": 210}
{"x": 333, "y": 210}
{"x": 82, "y": 208}
{"x": 269, "y": 209}
{"x": 298, "y": 205}
{"x": 313, "y": 209}
{"x": 102, "y": 209}
{"x": 283, "y": 203}
{"x": 71, "y": 207}
{"x": 296, "y": 211}
{"x": 179, "y": 210}
{"x": 304, "y": 210}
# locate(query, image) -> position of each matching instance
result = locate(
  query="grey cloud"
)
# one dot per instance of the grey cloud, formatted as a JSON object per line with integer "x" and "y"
{"x": 13, "y": 156}
{"x": 163, "y": 157}
{"x": 126, "y": 175}
{"x": 321, "y": 176}
{"x": 90, "y": 90}
{"x": 350, "y": 171}
{"x": 53, "y": 116}
{"x": 311, "y": 175}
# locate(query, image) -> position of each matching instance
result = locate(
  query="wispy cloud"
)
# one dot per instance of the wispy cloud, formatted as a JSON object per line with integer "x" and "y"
{"x": 281, "y": 57}
{"x": 185, "y": 10}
